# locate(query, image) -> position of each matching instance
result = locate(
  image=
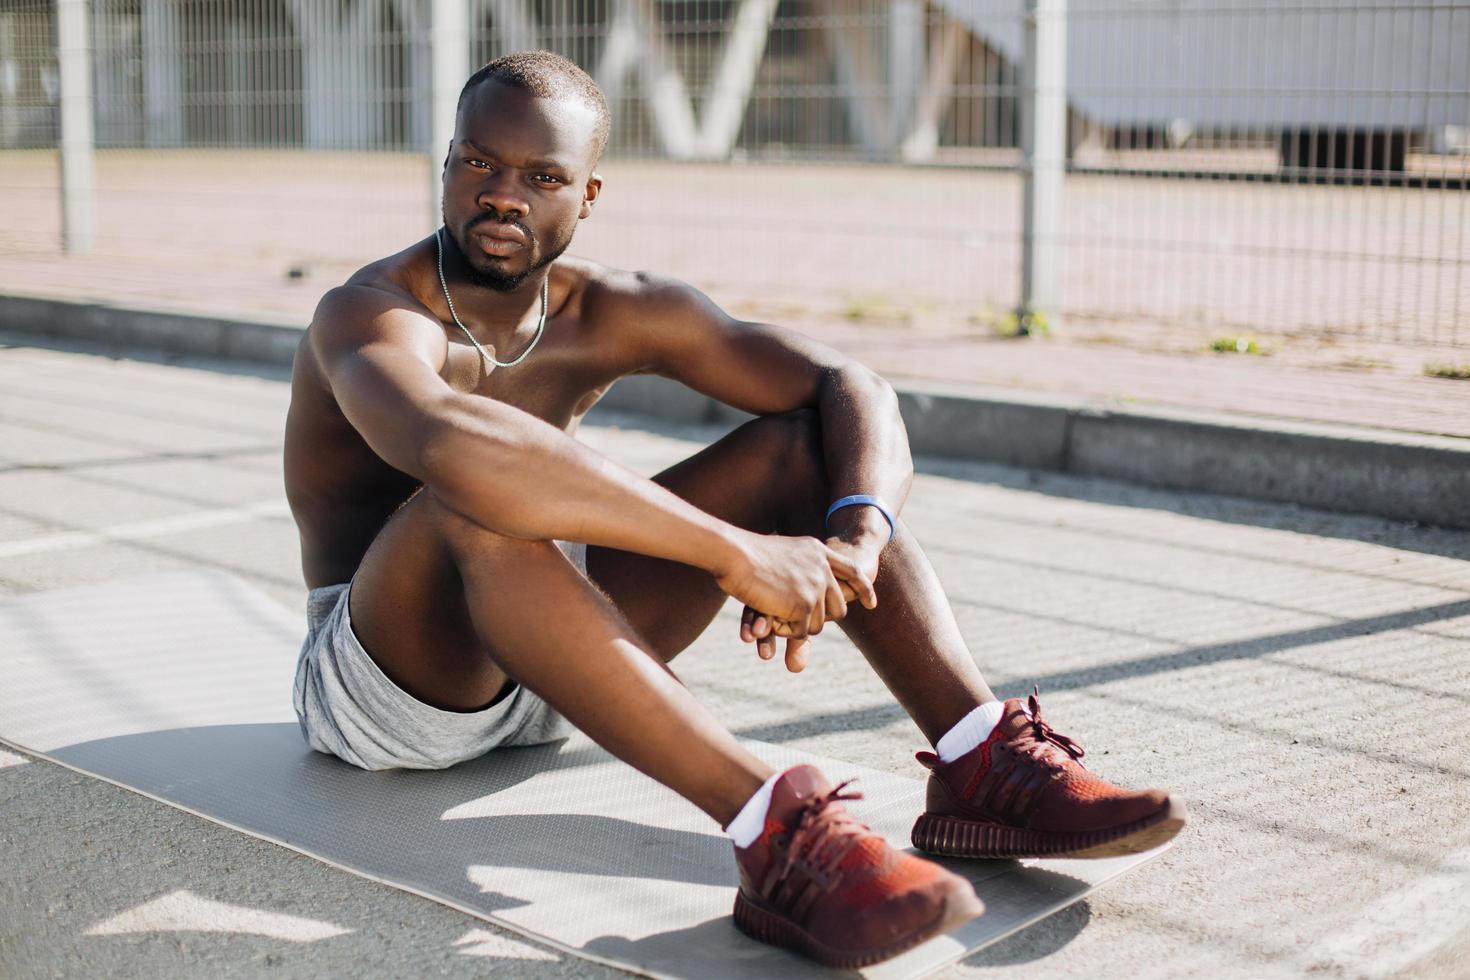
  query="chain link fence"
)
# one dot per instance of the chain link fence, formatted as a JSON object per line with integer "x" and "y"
{"x": 1296, "y": 167}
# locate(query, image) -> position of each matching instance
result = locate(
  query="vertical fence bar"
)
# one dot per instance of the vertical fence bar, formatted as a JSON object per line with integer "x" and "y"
{"x": 905, "y": 29}
{"x": 74, "y": 61}
{"x": 449, "y": 57}
{"x": 1043, "y": 155}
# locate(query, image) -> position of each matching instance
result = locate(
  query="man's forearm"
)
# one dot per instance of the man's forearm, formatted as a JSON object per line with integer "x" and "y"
{"x": 514, "y": 474}
{"x": 865, "y": 447}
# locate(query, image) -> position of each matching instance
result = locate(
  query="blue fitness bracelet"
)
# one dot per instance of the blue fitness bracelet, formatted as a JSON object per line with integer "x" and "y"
{"x": 863, "y": 498}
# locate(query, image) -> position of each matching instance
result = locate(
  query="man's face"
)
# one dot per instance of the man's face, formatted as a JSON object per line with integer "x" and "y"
{"x": 517, "y": 180}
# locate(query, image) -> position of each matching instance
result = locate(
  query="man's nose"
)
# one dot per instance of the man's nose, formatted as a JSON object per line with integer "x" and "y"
{"x": 500, "y": 192}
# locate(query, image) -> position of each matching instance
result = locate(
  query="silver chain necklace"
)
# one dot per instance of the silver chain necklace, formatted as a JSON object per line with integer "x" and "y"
{"x": 540, "y": 324}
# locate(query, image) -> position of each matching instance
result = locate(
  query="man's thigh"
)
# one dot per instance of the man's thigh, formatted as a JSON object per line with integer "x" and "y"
{"x": 409, "y": 609}
{"x": 765, "y": 476}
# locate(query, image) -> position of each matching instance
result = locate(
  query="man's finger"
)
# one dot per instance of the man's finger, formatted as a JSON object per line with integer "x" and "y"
{"x": 765, "y": 647}
{"x": 747, "y": 617}
{"x": 848, "y": 572}
{"x": 797, "y": 649}
{"x": 836, "y": 603}
{"x": 787, "y": 628}
{"x": 816, "y": 619}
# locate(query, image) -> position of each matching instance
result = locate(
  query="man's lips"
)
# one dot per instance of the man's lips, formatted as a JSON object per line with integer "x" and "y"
{"x": 498, "y": 244}
{"x": 499, "y": 229}
{"x": 498, "y": 239}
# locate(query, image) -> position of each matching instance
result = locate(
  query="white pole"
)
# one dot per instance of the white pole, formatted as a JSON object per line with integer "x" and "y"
{"x": 905, "y": 63}
{"x": 449, "y": 54}
{"x": 1044, "y": 157}
{"x": 74, "y": 59}
{"x": 947, "y": 43}
{"x": 163, "y": 74}
{"x": 728, "y": 94}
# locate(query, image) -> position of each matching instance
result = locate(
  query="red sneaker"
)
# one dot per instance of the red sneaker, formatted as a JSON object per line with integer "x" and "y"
{"x": 1024, "y": 792}
{"x": 818, "y": 882}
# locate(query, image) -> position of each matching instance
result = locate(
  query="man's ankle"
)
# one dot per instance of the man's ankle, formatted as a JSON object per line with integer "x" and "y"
{"x": 971, "y": 730}
{"x": 751, "y": 820}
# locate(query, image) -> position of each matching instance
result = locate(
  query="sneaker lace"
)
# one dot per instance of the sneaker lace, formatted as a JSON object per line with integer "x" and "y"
{"x": 825, "y": 833}
{"x": 1046, "y": 736}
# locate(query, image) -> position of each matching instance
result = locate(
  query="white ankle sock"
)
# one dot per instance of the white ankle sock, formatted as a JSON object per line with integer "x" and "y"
{"x": 751, "y": 819}
{"x": 969, "y": 731}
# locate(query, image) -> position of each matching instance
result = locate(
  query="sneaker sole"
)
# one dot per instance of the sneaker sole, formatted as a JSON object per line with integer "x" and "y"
{"x": 772, "y": 928}
{"x": 958, "y": 837}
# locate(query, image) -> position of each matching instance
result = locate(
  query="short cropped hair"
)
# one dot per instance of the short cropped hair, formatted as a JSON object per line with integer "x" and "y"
{"x": 546, "y": 75}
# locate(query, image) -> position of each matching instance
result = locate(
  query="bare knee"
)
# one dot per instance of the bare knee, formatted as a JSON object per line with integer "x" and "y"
{"x": 448, "y": 523}
{"x": 466, "y": 540}
{"x": 786, "y": 450}
{"x": 790, "y": 443}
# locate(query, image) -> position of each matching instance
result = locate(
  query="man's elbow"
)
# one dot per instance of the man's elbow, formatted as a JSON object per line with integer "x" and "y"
{"x": 862, "y": 384}
{"x": 857, "y": 385}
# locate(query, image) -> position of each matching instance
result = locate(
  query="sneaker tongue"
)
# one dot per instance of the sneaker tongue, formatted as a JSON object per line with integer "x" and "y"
{"x": 1014, "y": 721}
{"x": 794, "y": 789}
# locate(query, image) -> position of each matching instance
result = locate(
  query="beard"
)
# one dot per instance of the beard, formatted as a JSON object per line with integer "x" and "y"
{"x": 505, "y": 282}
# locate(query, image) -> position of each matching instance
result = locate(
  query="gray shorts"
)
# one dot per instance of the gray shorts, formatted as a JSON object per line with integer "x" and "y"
{"x": 349, "y": 708}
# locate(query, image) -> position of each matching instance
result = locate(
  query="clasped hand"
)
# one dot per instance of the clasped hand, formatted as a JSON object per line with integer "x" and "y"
{"x": 796, "y": 585}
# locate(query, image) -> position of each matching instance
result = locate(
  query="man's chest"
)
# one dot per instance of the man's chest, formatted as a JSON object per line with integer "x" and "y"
{"x": 557, "y": 382}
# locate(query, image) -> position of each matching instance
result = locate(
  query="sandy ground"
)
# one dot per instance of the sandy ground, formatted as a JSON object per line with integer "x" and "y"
{"x": 1298, "y": 677}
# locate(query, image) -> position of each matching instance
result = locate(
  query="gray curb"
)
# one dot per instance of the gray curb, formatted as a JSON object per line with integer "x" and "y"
{"x": 189, "y": 334}
{"x": 1387, "y": 474}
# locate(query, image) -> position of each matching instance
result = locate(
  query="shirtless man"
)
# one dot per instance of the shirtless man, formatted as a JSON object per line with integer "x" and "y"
{"x": 479, "y": 578}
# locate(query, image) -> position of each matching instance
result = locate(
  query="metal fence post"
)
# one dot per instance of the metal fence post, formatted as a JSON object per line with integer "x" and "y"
{"x": 163, "y": 73}
{"x": 1043, "y": 158}
{"x": 74, "y": 61}
{"x": 449, "y": 54}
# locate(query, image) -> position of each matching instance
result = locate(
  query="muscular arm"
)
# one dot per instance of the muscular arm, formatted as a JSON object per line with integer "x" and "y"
{"x": 765, "y": 369}
{"x": 512, "y": 473}
{"x": 497, "y": 465}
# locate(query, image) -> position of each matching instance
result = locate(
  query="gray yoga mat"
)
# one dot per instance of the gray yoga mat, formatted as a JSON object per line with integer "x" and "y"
{"x": 177, "y": 686}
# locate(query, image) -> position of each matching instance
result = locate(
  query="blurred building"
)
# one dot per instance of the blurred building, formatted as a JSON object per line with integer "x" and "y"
{"x": 1348, "y": 84}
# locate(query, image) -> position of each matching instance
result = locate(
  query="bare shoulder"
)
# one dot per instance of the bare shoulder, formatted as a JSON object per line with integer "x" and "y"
{"x": 628, "y": 300}
{"x": 375, "y": 307}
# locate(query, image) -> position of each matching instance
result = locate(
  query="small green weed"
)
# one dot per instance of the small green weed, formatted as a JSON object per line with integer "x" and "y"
{"x": 1014, "y": 324}
{"x": 1236, "y": 345}
{"x": 877, "y": 309}
{"x": 1444, "y": 369}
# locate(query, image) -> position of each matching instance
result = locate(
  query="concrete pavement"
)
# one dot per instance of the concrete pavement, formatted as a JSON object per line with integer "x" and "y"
{"x": 1297, "y": 676}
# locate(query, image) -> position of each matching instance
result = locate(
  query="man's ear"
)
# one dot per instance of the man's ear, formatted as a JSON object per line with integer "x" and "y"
{"x": 589, "y": 195}
{"x": 447, "y": 154}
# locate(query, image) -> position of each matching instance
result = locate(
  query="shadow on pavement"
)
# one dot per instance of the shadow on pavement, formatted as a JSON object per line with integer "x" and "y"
{"x": 1035, "y": 942}
{"x": 880, "y": 716}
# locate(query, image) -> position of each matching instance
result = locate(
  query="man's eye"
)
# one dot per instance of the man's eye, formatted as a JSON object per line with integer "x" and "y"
{"x": 548, "y": 179}
{"x": 477, "y": 163}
